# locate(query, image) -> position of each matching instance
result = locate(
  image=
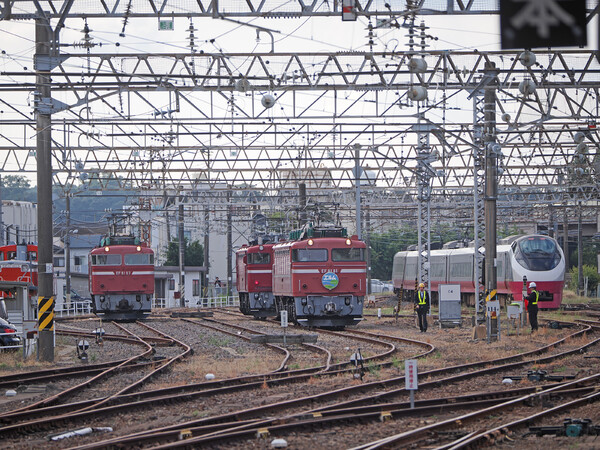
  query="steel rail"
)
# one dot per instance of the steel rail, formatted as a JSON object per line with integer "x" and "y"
{"x": 187, "y": 350}
{"x": 478, "y": 439}
{"x": 53, "y": 399}
{"x": 412, "y": 436}
{"x": 276, "y": 347}
{"x": 253, "y": 412}
{"x": 290, "y": 423}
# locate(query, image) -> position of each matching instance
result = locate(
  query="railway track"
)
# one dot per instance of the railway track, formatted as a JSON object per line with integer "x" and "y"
{"x": 204, "y": 425}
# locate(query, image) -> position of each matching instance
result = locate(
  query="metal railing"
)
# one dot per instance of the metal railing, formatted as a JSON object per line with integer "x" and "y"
{"x": 73, "y": 309}
{"x": 202, "y": 302}
{"x": 217, "y": 302}
{"x": 16, "y": 346}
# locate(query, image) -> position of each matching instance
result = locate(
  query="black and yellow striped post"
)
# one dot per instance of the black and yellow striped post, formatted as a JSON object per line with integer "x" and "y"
{"x": 46, "y": 328}
{"x": 45, "y": 314}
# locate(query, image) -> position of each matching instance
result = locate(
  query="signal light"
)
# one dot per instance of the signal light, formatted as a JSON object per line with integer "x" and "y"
{"x": 348, "y": 242}
{"x": 138, "y": 248}
{"x": 256, "y": 282}
{"x": 311, "y": 242}
{"x": 106, "y": 249}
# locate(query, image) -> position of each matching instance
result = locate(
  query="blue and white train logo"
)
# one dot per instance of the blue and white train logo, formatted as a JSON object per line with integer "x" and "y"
{"x": 330, "y": 280}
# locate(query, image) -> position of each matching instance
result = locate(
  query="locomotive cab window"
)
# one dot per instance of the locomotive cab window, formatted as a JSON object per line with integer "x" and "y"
{"x": 106, "y": 260}
{"x": 136, "y": 259}
{"x": 537, "y": 254}
{"x": 309, "y": 255}
{"x": 347, "y": 254}
{"x": 259, "y": 258}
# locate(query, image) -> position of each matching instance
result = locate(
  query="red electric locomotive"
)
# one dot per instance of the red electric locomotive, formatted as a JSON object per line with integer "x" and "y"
{"x": 121, "y": 278}
{"x": 254, "y": 280}
{"x": 319, "y": 277}
{"x": 18, "y": 262}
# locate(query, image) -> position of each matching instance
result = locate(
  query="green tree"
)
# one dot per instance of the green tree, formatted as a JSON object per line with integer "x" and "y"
{"x": 17, "y": 187}
{"x": 193, "y": 253}
{"x": 589, "y": 254}
{"x": 591, "y": 272}
{"x": 385, "y": 245}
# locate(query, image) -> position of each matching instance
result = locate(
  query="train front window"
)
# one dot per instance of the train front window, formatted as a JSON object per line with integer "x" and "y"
{"x": 347, "y": 254}
{"x": 259, "y": 258}
{"x": 309, "y": 255}
{"x": 106, "y": 260}
{"x": 537, "y": 253}
{"x": 139, "y": 259}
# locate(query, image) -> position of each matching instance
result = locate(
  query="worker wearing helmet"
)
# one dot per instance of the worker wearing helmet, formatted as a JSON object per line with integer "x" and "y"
{"x": 422, "y": 306}
{"x": 532, "y": 306}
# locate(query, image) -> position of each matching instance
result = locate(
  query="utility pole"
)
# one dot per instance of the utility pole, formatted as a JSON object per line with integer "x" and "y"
{"x": 181, "y": 255}
{"x": 68, "y": 251}
{"x": 357, "y": 174}
{"x": 492, "y": 149}
{"x": 43, "y": 34}
{"x": 302, "y": 195}
{"x": 368, "y": 244}
{"x": 206, "y": 244}
{"x": 229, "y": 245}
{"x": 579, "y": 251}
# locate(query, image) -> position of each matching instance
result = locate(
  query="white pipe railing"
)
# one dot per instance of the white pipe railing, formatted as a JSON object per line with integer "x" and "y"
{"x": 202, "y": 302}
{"x": 217, "y": 302}
{"x": 73, "y": 309}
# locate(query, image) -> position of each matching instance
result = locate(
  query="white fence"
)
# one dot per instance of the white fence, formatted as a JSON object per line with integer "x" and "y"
{"x": 203, "y": 302}
{"x": 73, "y": 309}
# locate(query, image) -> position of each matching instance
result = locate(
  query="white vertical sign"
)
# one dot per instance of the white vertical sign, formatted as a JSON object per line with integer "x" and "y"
{"x": 284, "y": 319}
{"x": 410, "y": 374}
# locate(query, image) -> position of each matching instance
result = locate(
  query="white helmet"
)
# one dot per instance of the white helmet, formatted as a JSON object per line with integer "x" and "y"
{"x": 532, "y": 285}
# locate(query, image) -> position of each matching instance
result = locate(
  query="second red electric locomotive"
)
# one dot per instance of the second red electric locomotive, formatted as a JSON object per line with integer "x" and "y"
{"x": 254, "y": 266}
{"x": 319, "y": 277}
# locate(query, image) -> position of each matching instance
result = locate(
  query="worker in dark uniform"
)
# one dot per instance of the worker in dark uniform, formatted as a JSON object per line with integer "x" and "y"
{"x": 422, "y": 306}
{"x": 532, "y": 306}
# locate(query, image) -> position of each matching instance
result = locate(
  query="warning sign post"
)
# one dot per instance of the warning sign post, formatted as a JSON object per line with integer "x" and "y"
{"x": 411, "y": 379}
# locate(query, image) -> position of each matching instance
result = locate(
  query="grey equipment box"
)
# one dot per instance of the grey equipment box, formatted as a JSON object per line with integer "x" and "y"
{"x": 449, "y": 295}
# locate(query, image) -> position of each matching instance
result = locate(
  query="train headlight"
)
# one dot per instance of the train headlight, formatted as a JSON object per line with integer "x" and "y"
{"x": 304, "y": 301}
{"x": 106, "y": 249}
{"x": 138, "y": 248}
{"x": 311, "y": 242}
{"x": 138, "y": 298}
{"x": 348, "y": 242}
{"x": 347, "y": 301}
{"x": 304, "y": 286}
{"x": 256, "y": 296}
{"x": 102, "y": 298}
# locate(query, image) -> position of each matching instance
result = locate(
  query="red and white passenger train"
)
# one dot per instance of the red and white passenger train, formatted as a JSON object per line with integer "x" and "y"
{"x": 318, "y": 277}
{"x": 535, "y": 258}
{"x": 121, "y": 278}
